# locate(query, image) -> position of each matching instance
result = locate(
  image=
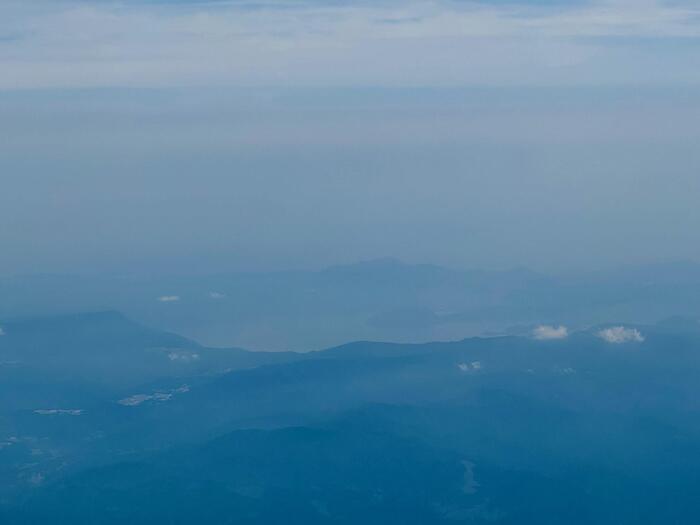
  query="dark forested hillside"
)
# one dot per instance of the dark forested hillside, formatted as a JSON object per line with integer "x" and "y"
{"x": 599, "y": 426}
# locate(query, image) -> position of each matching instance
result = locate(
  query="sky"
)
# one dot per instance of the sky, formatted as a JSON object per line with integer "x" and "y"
{"x": 207, "y": 136}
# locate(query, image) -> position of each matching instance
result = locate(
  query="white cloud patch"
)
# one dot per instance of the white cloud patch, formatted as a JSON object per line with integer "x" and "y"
{"x": 216, "y": 295}
{"x": 138, "y": 399}
{"x": 59, "y": 412}
{"x": 548, "y": 332}
{"x": 469, "y": 367}
{"x": 620, "y": 335}
{"x": 161, "y": 396}
{"x": 169, "y": 298}
{"x": 183, "y": 357}
{"x": 2, "y": 331}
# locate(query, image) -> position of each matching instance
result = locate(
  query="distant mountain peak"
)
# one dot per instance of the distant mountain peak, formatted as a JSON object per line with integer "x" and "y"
{"x": 369, "y": 264}
{"x": 383, "y": 265}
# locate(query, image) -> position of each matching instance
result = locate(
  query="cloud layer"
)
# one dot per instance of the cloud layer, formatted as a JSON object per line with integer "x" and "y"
{"x": 88, "y": 43}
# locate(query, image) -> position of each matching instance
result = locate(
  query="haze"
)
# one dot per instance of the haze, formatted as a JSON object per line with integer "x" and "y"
{"x": 201, "y": 137}
{"x": 326, "y": 262}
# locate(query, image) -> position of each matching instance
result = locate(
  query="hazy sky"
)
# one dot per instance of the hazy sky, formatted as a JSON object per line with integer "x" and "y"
{"x": 214, "y": 135}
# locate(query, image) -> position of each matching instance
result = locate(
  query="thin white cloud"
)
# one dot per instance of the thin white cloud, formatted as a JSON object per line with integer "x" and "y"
{"x": 169, "y": 298}
{"x": 620, "y": 335}
{"x": 59, "y": 412}
{"x": 79, "y": 44}
{"x": 2, "y": 331}
{"x": 216, "y": 295}
{"x": 139, "y": 399}
{"x": 183, "y": 357}
{"x": 548, "y": 332}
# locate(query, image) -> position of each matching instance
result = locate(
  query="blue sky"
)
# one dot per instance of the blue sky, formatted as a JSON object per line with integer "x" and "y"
{"x": 239, "y": 135}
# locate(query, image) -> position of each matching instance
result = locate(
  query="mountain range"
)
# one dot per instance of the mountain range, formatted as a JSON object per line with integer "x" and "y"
{"x": 103, "y": 419}
{"x": 383, "y": 299}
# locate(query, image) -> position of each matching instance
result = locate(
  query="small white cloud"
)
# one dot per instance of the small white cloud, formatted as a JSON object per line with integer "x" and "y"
{"x": 59, "y": 412}
{"x": 139, "y": 399}
{"x": 2, "y": 332}
{"x": 216, "y": 295}
{"x": 135, "y": 400}
{"x": 548, "y": 332}
{"x": 183, "y": 357}
{"x": 620, "y": 334}
{"x": 169, "y": 298}
{"x": 162, "y": 396}
{"x": 469, "y": 367}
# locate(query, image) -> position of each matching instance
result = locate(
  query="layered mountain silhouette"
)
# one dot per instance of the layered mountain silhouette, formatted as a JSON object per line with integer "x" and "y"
{"x": 376, "y": 300}
{"x": 103, "y": 417}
